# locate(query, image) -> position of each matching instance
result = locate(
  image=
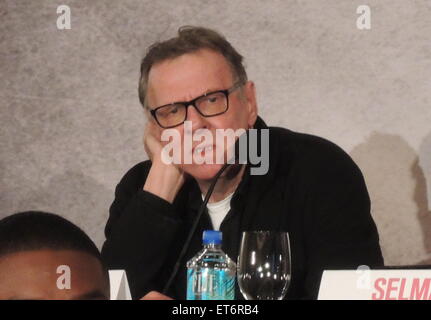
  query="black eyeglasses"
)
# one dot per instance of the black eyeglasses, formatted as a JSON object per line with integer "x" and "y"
{"x": 208, "y": 105}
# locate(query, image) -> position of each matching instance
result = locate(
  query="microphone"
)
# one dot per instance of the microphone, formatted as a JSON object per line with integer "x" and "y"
{"x": 238, "y": 157}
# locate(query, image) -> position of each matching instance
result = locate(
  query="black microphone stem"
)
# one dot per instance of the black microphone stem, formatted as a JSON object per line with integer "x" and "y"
{"x": 193, "y": 229}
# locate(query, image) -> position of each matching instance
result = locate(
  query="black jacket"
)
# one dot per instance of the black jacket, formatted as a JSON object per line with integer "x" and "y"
{"x": 313, "y": 190}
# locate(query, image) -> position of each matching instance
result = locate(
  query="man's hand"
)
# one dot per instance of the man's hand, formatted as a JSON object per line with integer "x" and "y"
{"x": 152, "y": 141}
{"x": 164, "y": 180}
{"x": 154, "y": 295}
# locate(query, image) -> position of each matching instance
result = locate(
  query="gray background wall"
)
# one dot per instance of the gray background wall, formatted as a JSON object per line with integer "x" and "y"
{"x": 71, "y": 124}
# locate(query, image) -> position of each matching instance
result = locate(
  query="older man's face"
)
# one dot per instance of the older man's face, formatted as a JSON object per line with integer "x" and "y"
{"x": 190, "y": 76}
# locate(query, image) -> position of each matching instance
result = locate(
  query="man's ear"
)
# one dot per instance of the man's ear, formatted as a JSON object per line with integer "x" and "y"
{"x": 250, "y": 97}
{"x": 147, "y": 113}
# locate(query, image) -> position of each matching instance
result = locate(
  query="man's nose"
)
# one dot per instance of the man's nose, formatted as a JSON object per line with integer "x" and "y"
{"x": 198, "y": 121}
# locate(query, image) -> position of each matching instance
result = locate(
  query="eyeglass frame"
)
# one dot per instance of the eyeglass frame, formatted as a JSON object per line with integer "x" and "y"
{"x": 187, "y": 104}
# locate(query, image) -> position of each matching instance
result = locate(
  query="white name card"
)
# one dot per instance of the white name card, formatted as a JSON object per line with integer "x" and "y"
{"x": 119, "y": 285}
{"x": 365, "y": 284}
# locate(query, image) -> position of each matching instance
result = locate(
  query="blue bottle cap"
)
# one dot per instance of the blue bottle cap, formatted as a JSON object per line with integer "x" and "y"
{"x": 212, "y": 236}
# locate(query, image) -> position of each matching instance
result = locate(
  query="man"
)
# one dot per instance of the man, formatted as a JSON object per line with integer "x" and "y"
{"x": 312, "y": 189}
{"x": 43, "y": 256}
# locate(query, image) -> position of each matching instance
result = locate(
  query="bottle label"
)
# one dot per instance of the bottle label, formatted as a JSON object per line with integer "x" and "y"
{"x": 210, "y": 284}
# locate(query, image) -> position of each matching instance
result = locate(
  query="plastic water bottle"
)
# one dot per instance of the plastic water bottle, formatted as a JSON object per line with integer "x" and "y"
{"x": 211, "y": 273}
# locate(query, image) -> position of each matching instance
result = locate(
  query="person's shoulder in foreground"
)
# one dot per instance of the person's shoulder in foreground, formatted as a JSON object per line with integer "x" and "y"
{"x": 44, "y": 256}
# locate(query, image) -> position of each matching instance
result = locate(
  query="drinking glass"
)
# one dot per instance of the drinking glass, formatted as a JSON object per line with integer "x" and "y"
{"x": 264, "y": 267}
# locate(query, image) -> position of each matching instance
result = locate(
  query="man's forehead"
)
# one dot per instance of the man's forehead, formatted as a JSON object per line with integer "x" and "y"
{"x": 34, "y": 274}
{"x": 188, "y": 76}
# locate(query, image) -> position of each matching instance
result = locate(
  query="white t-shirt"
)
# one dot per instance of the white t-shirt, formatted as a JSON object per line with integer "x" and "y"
{"x": 219, "y": 210}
